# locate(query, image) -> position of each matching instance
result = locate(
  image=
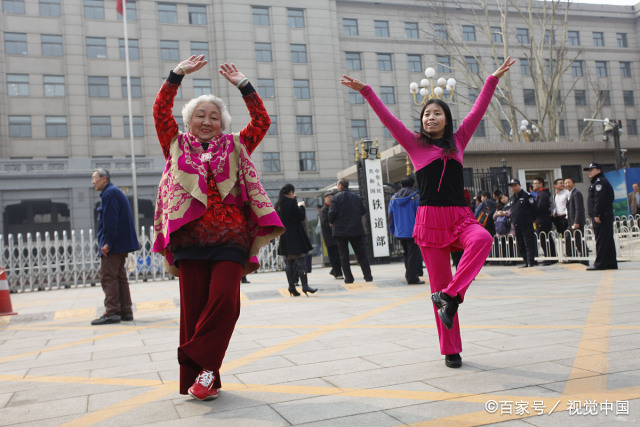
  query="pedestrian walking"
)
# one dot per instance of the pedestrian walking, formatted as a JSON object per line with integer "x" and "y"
{"x": 600, "y": 208}
{"x": 443, "y": 221}
{"x": 116, "y": 234}
{"x": 294, "y": 243}
{"x": 212, "y": 216}
{"x": 345, "y": 217}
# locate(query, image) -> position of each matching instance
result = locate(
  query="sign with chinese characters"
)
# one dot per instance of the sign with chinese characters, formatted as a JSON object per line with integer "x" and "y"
{"x": 377, "y": 209}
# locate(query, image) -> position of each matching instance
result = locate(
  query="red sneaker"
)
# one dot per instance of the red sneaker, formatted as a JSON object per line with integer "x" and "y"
{"x": 203, "y": 389}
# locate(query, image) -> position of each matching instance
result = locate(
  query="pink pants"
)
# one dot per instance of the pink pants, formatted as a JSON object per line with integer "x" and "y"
{"x": 476, "y": 242}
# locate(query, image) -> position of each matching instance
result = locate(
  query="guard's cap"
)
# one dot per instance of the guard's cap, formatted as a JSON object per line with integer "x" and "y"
{"x": 514, "y": 181}
{"x": 593, "y": 165}
{"x": 328, "y": 193}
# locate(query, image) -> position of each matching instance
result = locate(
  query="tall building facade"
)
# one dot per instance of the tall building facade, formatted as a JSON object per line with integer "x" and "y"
{"x": 63, "y": 95}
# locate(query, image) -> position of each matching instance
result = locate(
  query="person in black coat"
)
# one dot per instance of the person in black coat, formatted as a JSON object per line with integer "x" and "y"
{"x": 327, "y": 236}
{"x": 575, "y": 219}
{"x": 544, "y": 219}
{"x": 345, "y": 217}
{"x": 294, "y": 243}
{"x": 523, "y": 213}
{"x": 600, "y": 208}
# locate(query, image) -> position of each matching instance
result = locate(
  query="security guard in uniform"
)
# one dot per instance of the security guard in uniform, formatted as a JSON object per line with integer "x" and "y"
{"x": 523, "y": 213}
{"x": 600, "y": 208}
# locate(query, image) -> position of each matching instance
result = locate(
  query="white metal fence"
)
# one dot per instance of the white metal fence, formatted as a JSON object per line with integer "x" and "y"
{"x": 70, "y": 259}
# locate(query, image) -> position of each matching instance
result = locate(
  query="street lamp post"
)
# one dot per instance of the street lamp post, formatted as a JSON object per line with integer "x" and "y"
{"x": 437, "y": 91}
{"x": 529, "y": 130}
{"x": 614, "y": 128}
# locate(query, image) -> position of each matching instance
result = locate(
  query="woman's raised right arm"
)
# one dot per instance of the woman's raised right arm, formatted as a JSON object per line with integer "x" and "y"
{"x": 166, "y": 125}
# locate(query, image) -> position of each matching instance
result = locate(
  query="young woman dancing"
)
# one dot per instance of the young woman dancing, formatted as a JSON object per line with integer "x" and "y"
{"x": 444, "y": 222}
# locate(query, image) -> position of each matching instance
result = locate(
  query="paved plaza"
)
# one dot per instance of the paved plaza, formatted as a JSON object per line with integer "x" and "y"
{"x": 543, "y": 346}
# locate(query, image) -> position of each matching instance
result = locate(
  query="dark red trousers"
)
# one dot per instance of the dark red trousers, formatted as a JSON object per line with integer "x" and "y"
{"x": 209, "y": 309}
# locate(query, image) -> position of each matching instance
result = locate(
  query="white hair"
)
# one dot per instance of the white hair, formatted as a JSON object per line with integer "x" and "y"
{"x": 190, "y": 107}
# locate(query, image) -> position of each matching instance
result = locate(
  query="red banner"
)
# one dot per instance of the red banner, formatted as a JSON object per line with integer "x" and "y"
{"x": 119, "y": 6}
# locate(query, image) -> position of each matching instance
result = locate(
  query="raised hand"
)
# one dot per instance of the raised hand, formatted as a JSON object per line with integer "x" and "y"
{"x": 504, "y": 67}
{"x": 352, "y": 83}
{"x": 190, "y": 65}
{"x": 231, "y": 73}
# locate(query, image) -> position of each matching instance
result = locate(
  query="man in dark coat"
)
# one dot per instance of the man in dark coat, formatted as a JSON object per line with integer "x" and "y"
{"x": 600, "y": 208}
{"x": 329, "y": 242}
{"x": 117, "y": 237}
{"x": 544, "y": 219}
{"x": 345, "y": 217}
{"x": 523, "y": 213}
{"x": 575, "y": 219}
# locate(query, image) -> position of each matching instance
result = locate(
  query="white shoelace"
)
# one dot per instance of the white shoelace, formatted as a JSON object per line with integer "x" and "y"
{"x": 206, "y": 378}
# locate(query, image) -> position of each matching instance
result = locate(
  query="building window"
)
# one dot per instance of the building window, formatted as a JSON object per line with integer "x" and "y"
{"x": 13, "y": 6}
{"x": 598, "y": 39}
{"x": 573, "y": 38}
{"x": 468, "y": 33}
{"x": 549, "y": 37}
{"x": 444, "y": 64}
{"x": 349, "y": 26}
{"x": 387, "y": 95}
{"x": 136, "y": 87}
{"x": 138, "y": 126}
{"x": 525, "y": 69}
{"x": 522, "y": 35}
{"x": 301, "y": 89}
{"x": 601, "y": 69}
{"x": 561, "y": 130}
{"x": 496, "y": 35}
{"x": 100, "y": 126}
{"x": 472, "y": 95}
{"x": 307, "y": 161}
{"x": 53, "y": 85}
{"x": 169, "y": 50}
{"x": 355, "y": 97}
{"x": 384, "y": 62}
{"x": 132, "y": 13}
{"x": 200, "y": 48}
{"x": 96, "y": 47}
{"x": 506, "y": 126}
{"x": 622, "y": 39}
{"x": 481, "y": 131}
{"x": 273, "y": 129}
{"x": 20, "y": 126}
{"x": 94, "y": 9}
{"x": 134, "y": 48}
{"x": 411, "y": 30}
{"x": 632, "y": 127}
{"x": 197, "y": 14}
{"x": 49, "y": 7}
{"x": 51, "y": 45}
{"x": 263, "y": 52}
{"x": 180, "y": 123}
{"x": 472, "y": 64}
{"x": 440, "y": 32}
{"x": 415, "y": 63}
{"x": 55, "y": 126}
{"x": 98, "y": 87}
{"x": 381, "y": 28}
{"x": 359, "y": 129}
{"x": 529, "y": 96}
{"x": 295, "y": 18}
{"x": 417, "y": 123}
{"x": 260, "y": 15}
{"x": 549, "y": 66}
{"x": 15, "y": 43}
{"x": 353, "y": 61}
{"x": 167, "y": 13}
{"x": 299, "y": 53}
{"x": 629, "y": 99}
{"x": 303, "y": 125}
{"x": 625, "y": 69}
{"x": 201, "y": 87}
{"x": 576, "y": 69}
{"x": 271, "y": 162}
{"x": 386, "y": 133}
{"x": 580, "y": 97}
{"x": 18, "y": 84}
{"x": 572, "y": 171}
{"x": 266, "y": 88}
{"x": 604, "y": 97}
{"x": 582, "y": 125}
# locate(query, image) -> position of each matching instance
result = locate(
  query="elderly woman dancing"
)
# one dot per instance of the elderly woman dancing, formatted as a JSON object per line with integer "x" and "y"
{"x": 212, "y": 216}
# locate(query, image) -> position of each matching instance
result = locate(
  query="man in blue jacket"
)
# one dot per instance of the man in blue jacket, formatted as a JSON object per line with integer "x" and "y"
{"x": 117, "y": 237}
{"x": 402, "y": 219}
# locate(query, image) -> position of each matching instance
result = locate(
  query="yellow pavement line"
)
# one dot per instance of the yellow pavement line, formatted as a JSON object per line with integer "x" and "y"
{"x": 127, "y": 330}
{"x": 155, "y": 305}
{"x": 526, "y": 271}
{"x": 74, "y": 313}
{"x": 82, "y": 380}
{"x": 359, "y": 286}
{"x": 312, "y": 335}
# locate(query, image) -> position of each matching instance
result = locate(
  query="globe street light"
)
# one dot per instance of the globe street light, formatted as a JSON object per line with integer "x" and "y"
{"x": 442, "y": 84}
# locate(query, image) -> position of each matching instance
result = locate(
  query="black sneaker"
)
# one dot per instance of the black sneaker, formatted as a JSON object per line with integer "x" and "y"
{"x": 447, "y": 307}
{"x": 106, "y": 320}
{"x": 453, "y": 360}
